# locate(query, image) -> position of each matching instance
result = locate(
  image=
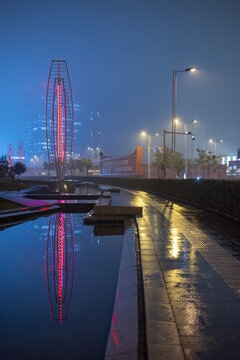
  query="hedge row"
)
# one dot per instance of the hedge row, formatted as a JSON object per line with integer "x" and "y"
{"x": 219, "y": 195}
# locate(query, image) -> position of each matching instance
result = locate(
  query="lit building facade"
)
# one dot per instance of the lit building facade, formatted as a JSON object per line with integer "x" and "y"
{"x": 129, "y": 165}
{"x": 36, "y": 145}
{"x": 91, "y": 139}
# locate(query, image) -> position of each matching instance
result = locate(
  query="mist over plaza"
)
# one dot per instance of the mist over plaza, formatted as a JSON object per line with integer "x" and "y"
{"x": 119, "y": 180}
{"x": 121, "y": 55}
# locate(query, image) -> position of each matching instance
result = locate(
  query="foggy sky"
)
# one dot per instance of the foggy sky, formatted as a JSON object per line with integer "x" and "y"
{"x": 122, "y": 53}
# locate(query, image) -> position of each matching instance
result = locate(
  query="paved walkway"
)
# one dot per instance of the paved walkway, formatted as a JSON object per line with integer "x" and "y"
{"x": 191, "y": 285}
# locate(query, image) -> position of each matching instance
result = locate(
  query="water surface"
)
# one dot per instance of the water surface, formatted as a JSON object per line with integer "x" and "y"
{"x": 35, "y": 275}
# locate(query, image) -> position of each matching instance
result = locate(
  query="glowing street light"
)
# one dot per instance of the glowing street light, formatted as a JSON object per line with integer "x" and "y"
{"x": 192, "y": 69}
{"x": 215, "y": 144}
{"x": 92, "y": 151}
{"x": 176, "y": 122}
{"x": 143, "y": 134}
{"x": 185, "y": 144}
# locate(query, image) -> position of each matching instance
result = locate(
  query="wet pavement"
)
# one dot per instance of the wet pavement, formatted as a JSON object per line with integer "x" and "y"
{"x": 191, "y": 276}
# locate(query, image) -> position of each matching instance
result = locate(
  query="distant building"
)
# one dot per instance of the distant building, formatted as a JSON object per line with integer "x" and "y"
{"x": 78, "y": 131}
{"x": 233, "y": 164}
{"x": 87, "y": 138}
{"x": 36, "y": 145}
{"x": 129, "y": 165}
{"x": 233, "y": 168}
{"x": 91, "y": 139}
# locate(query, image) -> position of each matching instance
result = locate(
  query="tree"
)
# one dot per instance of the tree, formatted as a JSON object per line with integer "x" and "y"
{"x": 178, "y": 162}
{"x": 202, "y": 160}
{"x": 86, "y": 163}
{"x": 206, "y": 160}
{"x": 83, "y": 164}
{"x": 4, "y": 167}
{"x": 10, "y": 172}
{"x": 170, "y": 160}
{"x": 47, "y": 167}
{"x": 18, "y": 169}
{"x": 72, "y": 165}
{"x": 159, "y": 161}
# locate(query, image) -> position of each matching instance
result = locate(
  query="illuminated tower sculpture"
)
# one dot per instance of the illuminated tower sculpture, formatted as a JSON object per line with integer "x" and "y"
{"x": 60, "y": 265}
{"x": 59, "y": 116}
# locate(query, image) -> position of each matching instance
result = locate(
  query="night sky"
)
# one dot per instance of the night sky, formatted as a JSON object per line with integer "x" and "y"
{"x": 122, "y": 53}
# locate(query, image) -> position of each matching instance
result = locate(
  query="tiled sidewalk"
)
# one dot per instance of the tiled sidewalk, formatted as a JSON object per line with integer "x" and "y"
{"x": 191, "y": 287}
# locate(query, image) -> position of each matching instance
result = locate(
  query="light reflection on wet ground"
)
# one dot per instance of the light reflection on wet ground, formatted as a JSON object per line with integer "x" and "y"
{"x": 183, "y": 271}
{"x": 224, "y": 230}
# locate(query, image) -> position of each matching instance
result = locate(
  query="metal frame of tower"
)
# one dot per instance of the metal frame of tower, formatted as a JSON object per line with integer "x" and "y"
{"x": 59, "y": 116}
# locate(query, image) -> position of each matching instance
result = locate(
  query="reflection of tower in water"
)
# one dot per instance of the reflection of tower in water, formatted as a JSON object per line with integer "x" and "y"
{"x": 60, "y": 265}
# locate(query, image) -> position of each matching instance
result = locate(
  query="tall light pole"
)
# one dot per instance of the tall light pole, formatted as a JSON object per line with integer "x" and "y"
{"x": 176, "y": 122}
{"x": 143, "y": 133}
{"x": 185, "y": 145}
{"x": 215, "y": 144}
{"x": 174, "y": 103}
{"x": 164, "y": 145}
{"x": 92, "y": 151}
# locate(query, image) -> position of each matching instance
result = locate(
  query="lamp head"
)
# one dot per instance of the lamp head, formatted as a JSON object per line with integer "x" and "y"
{"x": 192, "y": 69}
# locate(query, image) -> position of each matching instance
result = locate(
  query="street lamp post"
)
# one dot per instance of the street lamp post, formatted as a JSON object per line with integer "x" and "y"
{"x": 164, "y": 154}
{"x": 92, "y": 151}
{"x": 164, "y": 145}
{"x": 149, "y": 160}
{"x": 215, "y": 144}
{"x": 185, "y": 145}
{"x": 174, "y": 103}
{"x": 143, "y": 133}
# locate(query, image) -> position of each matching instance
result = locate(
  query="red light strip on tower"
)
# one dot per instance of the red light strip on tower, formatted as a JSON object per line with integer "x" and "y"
{"x": 73, "y": 259}
{"x": 60, "y": 119}
{"x": 60, "y": 261}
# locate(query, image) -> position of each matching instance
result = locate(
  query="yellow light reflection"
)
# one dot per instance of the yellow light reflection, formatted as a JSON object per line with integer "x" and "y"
{"x": 138, "y": 201}
{"x": 175, "y": 246}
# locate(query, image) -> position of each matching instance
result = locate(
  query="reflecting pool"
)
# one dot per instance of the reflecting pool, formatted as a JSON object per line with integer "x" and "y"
{"x": 57, "y": 283}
